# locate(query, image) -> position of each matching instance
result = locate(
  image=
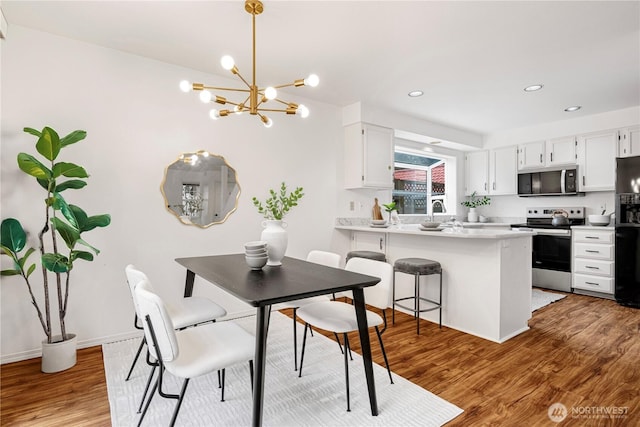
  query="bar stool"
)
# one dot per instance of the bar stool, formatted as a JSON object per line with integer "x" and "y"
{"x": 376, "y": 256}
{"x": 417, "y": 267}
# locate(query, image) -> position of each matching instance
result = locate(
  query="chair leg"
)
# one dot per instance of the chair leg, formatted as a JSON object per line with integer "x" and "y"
{"x": 251, "y": 373}
{"x": 222, "y": 394}
{"x": 440, "y": 301}
{"x": 304, "y": 342}
{"x": 135, "y": 359}
{"x": 338, "y": 341}
{"x": 393, "y": 298}
{"x": 184, "y": 389}
{"x": 146, "y": 388}
{"x": 417, "y": 303}
{"x": 346, "y": 370}
{"x": 295, "y": 340}
{"x": 153, "y": 391}
{"x": 384, "y": 353}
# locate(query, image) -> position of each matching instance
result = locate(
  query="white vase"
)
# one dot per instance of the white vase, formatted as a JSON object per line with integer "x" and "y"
{"x": 473, "y": 215}
{"x": 277, "y": 238}
{"x": 58, "y": 355}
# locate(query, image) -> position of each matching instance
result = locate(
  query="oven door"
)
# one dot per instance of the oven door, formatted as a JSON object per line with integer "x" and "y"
{"x": 552, "y": 250}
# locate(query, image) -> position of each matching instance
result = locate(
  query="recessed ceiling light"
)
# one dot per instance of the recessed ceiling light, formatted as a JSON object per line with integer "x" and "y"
{"x": 572, "y": 108}
{"x": 533, "y": 88}
{"x": 416, "y": 93}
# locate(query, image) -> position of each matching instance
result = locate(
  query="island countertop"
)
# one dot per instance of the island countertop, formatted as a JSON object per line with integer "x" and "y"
{"x": 465, "y": 233}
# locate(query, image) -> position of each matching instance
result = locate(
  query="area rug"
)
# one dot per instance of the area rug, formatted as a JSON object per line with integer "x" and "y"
{"x": 315, "y": 399}
{"x": 541, "y": 299}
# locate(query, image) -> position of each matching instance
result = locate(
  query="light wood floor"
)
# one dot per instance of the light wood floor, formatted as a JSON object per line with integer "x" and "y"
{"x": 582, "y": 352}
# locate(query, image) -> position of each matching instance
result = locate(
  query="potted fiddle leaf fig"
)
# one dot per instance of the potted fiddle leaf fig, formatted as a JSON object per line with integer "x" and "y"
{"x": 60, "y": 242}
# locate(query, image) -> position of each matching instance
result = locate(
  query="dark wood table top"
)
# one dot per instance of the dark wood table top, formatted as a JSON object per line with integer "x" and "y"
{"x": 295, "y": 279}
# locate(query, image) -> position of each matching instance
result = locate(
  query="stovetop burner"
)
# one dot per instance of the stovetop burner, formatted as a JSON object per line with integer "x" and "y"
{"x": 543, "y": 217}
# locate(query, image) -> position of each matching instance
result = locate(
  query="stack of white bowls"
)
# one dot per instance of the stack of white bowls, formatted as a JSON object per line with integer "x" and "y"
{"x": 256, "y": 254}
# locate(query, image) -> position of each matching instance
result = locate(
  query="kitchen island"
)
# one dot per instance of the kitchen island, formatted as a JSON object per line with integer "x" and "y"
{"x": 486, "y": 283}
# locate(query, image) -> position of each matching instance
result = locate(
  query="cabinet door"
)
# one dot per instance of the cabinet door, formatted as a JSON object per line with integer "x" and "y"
{"x": 363, "y": 241}
{"x": 630, "y": 142}
{"x": 378, "y": 157}
{"x": 503, "y": 171}
{"x": 531, "y": 155}
{"x": 476, "y": 168}
{"x": 597, "y": 161}
{"x": 561, "y": 151}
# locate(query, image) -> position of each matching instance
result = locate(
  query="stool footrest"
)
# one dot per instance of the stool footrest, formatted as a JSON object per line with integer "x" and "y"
{"x": 436, "y": 305}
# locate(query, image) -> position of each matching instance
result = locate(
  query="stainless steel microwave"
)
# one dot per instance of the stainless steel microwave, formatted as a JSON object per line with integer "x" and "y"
{"x": 562, "y": 182}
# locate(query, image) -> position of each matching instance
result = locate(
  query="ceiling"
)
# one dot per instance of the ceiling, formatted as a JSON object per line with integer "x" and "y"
{"x": 471, "y": 59}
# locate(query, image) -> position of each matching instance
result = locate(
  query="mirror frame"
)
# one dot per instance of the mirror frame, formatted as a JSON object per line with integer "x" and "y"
{"x": 181, "y": 218}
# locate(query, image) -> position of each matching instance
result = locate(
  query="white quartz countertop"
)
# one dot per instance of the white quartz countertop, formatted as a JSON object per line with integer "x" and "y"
{"x": 593, "y": 227}
{"x": 465, "y": 233}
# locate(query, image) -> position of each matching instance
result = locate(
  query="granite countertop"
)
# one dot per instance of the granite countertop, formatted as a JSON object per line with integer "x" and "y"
{"x": 465, "y": 233}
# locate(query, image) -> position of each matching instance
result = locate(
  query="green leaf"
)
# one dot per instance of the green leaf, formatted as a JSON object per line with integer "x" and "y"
{"x": 96, "y": 221}
{"x": 9, "y": 273}
{"x": 74, "y": 184}
{"x": 57, "y": 263}
{"x": 31, "y": 268}
{"x": 22, "y": 261}
{"x": 33, "y": 131}
{"x": 70, "y": 170}
{"x": 12, "y": 235}
{"x": 60, "y": 204}
{"x": 87, "y": 256}
{"x": 29, "y": 165}
{"x": 73, "y": 137}
{"x": 48, "y": 144}
{"x": 95, "y": 250}
{"x": 70, "y": 235}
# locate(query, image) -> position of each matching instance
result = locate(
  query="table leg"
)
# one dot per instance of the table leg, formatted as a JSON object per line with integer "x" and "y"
{"x": 262, "y": 329}
{"x": 188, "y": 283}
{"x": 363, "y": 328}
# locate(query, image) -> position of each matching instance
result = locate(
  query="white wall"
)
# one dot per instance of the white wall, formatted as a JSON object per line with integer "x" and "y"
{"x": 138, "y": 122}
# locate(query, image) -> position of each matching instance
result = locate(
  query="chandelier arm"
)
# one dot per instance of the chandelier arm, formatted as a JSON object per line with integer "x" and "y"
{"x": 225, "y": 88}
{"x": 243, "y": 80}
{"x": 272, "y": 110}
{"x": 284, "y": 85}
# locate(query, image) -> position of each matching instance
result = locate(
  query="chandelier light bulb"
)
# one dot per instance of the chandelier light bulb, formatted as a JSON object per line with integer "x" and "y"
{"x": 194, "y": 159}
{"x": 313, "y": 80}
{"x": 270, "y": 93}
{"x": 267, "y": 121}
{"x": 238, "y": 109}
{"x": 227, "y": 62}
{"x": 205, "y": 96}
{"x": 214, "y": 114}
{"x": 185, "y": 86}
{"x": 303, "y": 111}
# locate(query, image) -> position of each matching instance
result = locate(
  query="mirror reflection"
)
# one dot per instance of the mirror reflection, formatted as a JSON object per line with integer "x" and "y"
{"x": 201, "y": 189}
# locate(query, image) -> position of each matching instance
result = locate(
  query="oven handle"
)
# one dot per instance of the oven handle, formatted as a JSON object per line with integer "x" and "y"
{"x": 549, "y": 232}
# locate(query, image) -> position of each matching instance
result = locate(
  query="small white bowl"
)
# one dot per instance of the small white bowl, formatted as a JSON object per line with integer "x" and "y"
{"x": 600, "y": 220}
{"x": 430, "y": 224}
{"x": 256, "y": 263}
{"x": 378, "y": 221}
{"x": 260, "y": 255}
{"x": 258, "y": 244}
{"x": 260, "y": 251}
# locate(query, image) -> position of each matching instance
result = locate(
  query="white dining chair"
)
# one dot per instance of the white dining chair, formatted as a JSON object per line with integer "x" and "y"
{"x": 340, "y": 318}
{"x": 184, "y": 312}
{"x": 329, "y": 259}
{"x": 190, "y": 352}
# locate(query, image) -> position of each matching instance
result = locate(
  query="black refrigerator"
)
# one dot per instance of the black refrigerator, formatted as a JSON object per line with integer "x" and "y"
{"x": 627, "y": 249}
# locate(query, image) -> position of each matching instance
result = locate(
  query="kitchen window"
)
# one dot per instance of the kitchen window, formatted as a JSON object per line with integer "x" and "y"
{"x": 420, "y": 186}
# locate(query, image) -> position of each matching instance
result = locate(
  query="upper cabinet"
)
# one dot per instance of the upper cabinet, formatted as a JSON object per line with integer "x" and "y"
{"x": 552, "y": 152}
{"x": 629, "y": 143}
{"x": 368, "y": 156}
{"x": 597, "y": 160}
{"x": 491, "y": 172}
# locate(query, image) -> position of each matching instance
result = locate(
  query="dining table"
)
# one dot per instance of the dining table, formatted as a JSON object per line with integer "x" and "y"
{"x": 261, "y": 288}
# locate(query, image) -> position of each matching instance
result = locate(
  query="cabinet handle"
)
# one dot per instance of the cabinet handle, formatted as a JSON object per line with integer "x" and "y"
{"x": 540, "y": 157}
{"x": 592, "y": 268}
{"x": 591, "y": 283}
{"x": 583, "y": 180}
{"x": 592, "y": 237}
{"x": 485, "y": 186}
{"x": 551, "y": 157}
{"x": 592, "y": 252}
{"x": 494, "y": 185}
{"x": 381, "y": 243}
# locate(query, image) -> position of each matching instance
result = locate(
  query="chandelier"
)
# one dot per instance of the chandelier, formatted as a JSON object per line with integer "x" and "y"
{"x": 256, "y": 98}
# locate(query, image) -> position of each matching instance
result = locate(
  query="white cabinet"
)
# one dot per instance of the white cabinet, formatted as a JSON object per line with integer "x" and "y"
{"x": 503, "y": 173}
{"x": 368, "y": 156}
{"x": 552, "y": 152}
{"x": 593, "y": 260}
{"x": 491, "y": 172}
{"x": 597, "y": 160}
{"x": 476, "y": 172}
{"x": 629, "y": 142}
{"x": 364, "y": 241}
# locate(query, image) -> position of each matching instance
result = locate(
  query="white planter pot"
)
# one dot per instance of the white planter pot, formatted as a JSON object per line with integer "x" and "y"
{"x": 277, "y": 239}
{"x": 59, "y": 356}
{"x": 473, "y": 215}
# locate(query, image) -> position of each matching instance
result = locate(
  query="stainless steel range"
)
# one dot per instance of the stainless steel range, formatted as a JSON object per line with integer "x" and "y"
{"x": 551, "y": 258}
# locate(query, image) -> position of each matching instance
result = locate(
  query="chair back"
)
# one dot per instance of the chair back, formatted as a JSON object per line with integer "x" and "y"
{"x": 379, "y": 295}
{"x": 325, "y": 258}
{"x": 151, "y": 305}
{"x": 135, "y": 276}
